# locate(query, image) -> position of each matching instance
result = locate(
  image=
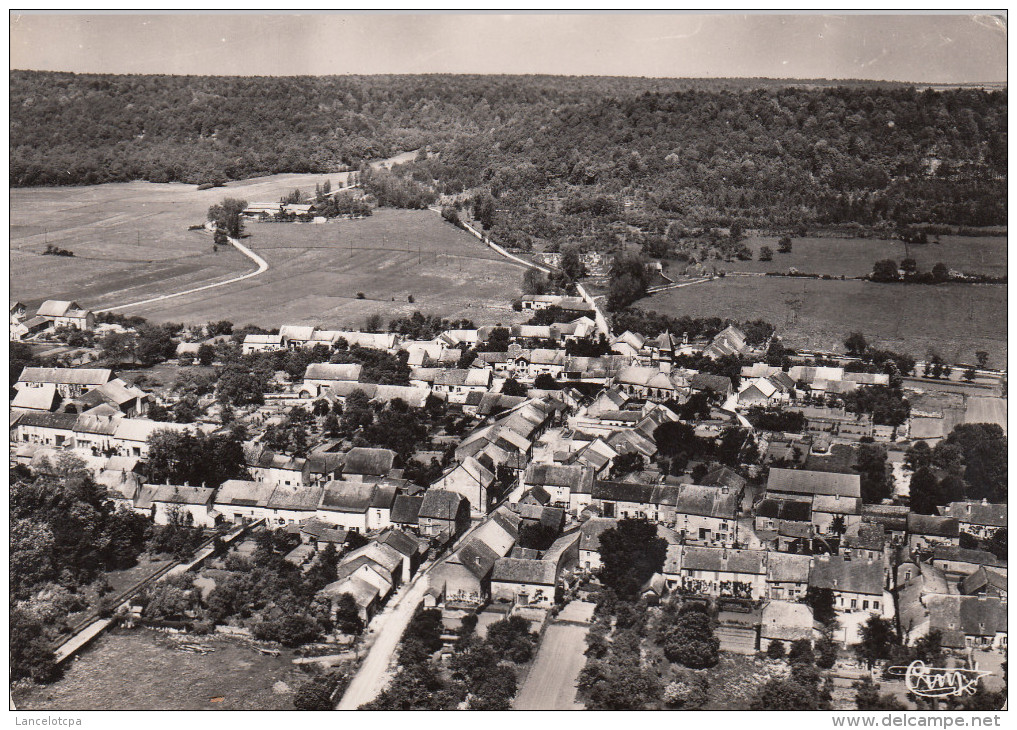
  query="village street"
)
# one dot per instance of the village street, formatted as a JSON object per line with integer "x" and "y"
{"x": 551, "y": 682}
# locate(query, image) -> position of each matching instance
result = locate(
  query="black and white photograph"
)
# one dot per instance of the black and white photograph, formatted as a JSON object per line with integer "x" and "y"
{"x": 515, "y": 360}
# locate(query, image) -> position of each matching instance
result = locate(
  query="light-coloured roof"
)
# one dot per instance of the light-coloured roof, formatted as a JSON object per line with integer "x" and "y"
{"x": 333, "y": 371}
{"x": 41, "y": 398}
{"x": 523, "y": 571}
{"x": 66, "y": 376}
{"x": 850, "y": 576}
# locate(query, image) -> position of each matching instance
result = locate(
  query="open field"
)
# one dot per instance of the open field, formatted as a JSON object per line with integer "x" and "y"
{"x": 131, "y": 243}
{"x": 551, "y": 683}
{"x": 140, "y": 670}
{"x": 986, "y": 410}
{"x": 855, "y": 256}
{"x": 953, "y": 319}
{"x": 317, "y": 271}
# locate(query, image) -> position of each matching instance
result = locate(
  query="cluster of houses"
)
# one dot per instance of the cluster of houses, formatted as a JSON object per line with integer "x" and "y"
{"x": 546, "y": 463}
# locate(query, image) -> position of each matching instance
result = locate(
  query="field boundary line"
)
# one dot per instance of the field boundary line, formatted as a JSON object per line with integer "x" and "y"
{"x": 262, "y": 268}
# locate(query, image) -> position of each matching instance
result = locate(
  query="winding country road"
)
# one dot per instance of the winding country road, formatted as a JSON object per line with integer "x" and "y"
{"x": 262, "y": 268}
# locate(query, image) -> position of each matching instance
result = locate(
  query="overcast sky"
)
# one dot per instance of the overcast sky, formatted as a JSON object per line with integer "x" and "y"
{"x": 926, "y": 48}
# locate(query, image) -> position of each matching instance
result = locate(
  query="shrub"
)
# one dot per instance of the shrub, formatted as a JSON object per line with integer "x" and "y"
{"x": 775, "y": 650}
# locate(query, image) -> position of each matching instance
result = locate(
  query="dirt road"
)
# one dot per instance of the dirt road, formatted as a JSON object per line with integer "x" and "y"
{"x": 551, "y": 683}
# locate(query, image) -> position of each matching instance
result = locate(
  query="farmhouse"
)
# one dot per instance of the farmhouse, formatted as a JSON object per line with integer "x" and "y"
{"x": 929, "y": 531}
{"x": 442, "y": 511}
{"x": 857, "y": 585}
{"x": 560, "y": 481}
{"x": 363, "y": 464}
{"x": 978, "y": 519}
{"x": 786, "y": 622}
{"x": 716, "y": 571}
{"x": 66, "y": 314}
{"x": 729, "y": 341}
{"x": 70, "y": 382}
{"x": 321, "y": 375}
{"x": 787, "y": 575}
{"x": 165, "y": 503}
{"x": 805, "y": 483}
{"x": 524, "y": 581}
{"x": 262, "y": 343}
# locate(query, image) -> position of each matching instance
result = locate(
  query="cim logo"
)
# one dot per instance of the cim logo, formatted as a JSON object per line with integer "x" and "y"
{"x": 939, "y": 681}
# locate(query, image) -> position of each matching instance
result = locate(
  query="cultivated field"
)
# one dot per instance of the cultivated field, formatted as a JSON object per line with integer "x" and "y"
{"x": 855, "y": 256}
{"x": 986, "y": 410}
{"x": 140, "y": 670}
{"x": 955, "y": 320}
{"x": 131, "y": 243}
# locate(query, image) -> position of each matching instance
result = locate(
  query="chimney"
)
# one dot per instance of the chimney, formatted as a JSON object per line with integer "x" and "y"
{"x": 834, "y": 582}
{"x": 724, "y": 489}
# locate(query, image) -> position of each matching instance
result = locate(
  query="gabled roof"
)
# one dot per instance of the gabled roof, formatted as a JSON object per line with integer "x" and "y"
{"x": 406, "y": 510}
{"x": 723, "y": 476}
{"x": 351, "y": 497}
{"x": 723, "y": 560}
{"x": 402, "y": 543}
{"x": 787, "y": 568}
{"x": 955, "y": 554}
{"x": 795, "y": 510}
{"x": 296, "y": 332}
{"x": 983, "y": 578}
{"x": 66, "y": 376}
{"x": 932, "y": 525}
{"x": 865, "y": 536}
{"x": 805, "y": 482}
{"x": 140, "y": 429}
{"x": 704, "y": 501}
{"x": 711, "y": 382}
{"x": 243, "y": 493}
{"x": 476, "y": 557}
{"x": 333, "y": 371}
{"x": 55, "y": 308}
{"x": 528, "y": 572}
{"x": 851, "y": 576}
{"x": 440, "y": 504}
{"x": 43, "y": 398}
{"x": 787, "y": 621}
{"x": 368, "y": 461}
{"x": 175, "y": 494}
{"x": 977, "y": 513}
{"x": 837, "y": 505}
{"x": 970, "y": 615}
{"x": 43, "y": 419}
{"x": 591, "y": 530}
{"x": 104, "y": 426}
{"x": 575, "y": 478}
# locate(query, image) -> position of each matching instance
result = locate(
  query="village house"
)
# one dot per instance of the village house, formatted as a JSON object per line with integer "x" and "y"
{"x": 787, "y": 576}
{"x": 473, "y": 481}
{"x": 132, "y": 434}
{"x": 834, "y": 515}
{"x": 857, "y": 585}
{"x": 262, "y": 343}
{"x": 629, "y": 344}
{"x": 127, "y": 399}
{"x": 465, "y": 577}
{"x": 729, "y": 341}
{"x": 66, "y": 314}
{"x": 589, "y": 541}
{"x": 866, "y": 540}
{"x": 241, "y": 501}
{"x": 165, "y": 503}
{"x": 365, "y": 464}
{"x": 928, "y": 531}
{"x": 349, "y": 504}
{"x": 706, "y": 515}
{"x": 322, "y": 375}
{"x": 805, "y": 483}
{"x": 456, "y": 384}
{"x": 527, "y": 582}
{"x": 893, "y": 518}
{"x": 69, "y": 382}
{"x": 985, "y": 582}
{"x": 267, "y": 466}
{"x": 560, "y": 481}
{"x": 46, "y": 429}
{"x": 293, "y": 505}
{"x": 963, "y": 622}
{"x": 442, "y": 511}
{"x": 46, "y": 397}
{"x": 405, "y": 512}
{"x": 958, "y": 563}
{"x": 718, "y": 387}
{"x": 979, "y": 519}
{"x": 716, "y": 571}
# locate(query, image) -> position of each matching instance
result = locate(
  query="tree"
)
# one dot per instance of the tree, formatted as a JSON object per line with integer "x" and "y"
{"x": 512, "y": 639}
{"x": 629, "y": 279}
{"x": 878, "y": 638}
{"x": 785, "y": 695}
{"x": 512, "y": 387}
{"x": 801, "y": 652}
{"x": 206, "y": 354}
{"x": 826, "y": 652}
{"x": 856, "y": 343}
{"x": 926, "y": 493}
{"x": 31, "y": 653}
{"x": 775, "y": 650}
{"x": 766, "y": 253}
{"x": 630, "y": 554}
{"x": 940, "y": 272}
{"x": 691, "y": 640}
{"x": 983, "y": 448}
{"x": 867, "y": 697}
{"x": 116, "y": 347}
{"x": 983, "y": 358}
{"x": 227, "y": 216}
{"x": 535, "y": 282}
{"x": 876, "y": 483}
{"x": 625, "y": 464}
{"x": 546, "y": 381}
{"x": 918, "y": 455}
{"x": 315, "y": 694}
{"x": 784, "y": 244}
{"x": 689, "y": 691}
{"x": 239, "y": 386}
{"x": 154, "y": 344}
{"x": 571, "y": 264}
{"x": 821, "y": 600}
{"x": 347, "y": 615}
{"x": 884, "y": 270}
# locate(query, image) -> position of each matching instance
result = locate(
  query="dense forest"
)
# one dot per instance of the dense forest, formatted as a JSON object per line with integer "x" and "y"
{"x": 588, "y": 159}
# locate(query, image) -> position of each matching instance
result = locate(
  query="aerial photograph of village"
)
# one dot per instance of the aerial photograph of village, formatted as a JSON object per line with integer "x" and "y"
{"x": 469, "y": 361}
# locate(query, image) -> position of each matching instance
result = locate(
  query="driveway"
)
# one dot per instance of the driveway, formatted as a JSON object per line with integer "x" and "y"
{"x": 551, "y": 683}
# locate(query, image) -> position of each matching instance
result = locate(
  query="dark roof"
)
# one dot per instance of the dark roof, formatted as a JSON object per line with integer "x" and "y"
{"x": 476, "y": 557}
{"x": 966, "y": 555}
{"x": 346, "y": 496}
{"x": 405, "y": 510}
{"x": 977, "y": 513}
{"x": 723, "y": 560}
{"x": 440, "y": 504}
{"x": 42, "y": 419}
{"x": 373, "y": 462}
{"x": 723, "y": 476}
{"x": 785, "y": 509}
{"x": 402, "y": 543}
{"x": 521, "y": 570}
{"x": 384, "y": 496}
{"x": 575, "y": 477}
{"x": 805, "y": 482}
{"x": 933, "y": 525}
{"x": 709, "y": 381}
{"x": 852, "y": 576}
{"x": 983, "y": 578}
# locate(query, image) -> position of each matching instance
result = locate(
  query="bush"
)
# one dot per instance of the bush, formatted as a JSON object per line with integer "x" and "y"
{"x": 689, "y": 691}
{"x": 775, "y": 650}
{"x": 360, "y": 295}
